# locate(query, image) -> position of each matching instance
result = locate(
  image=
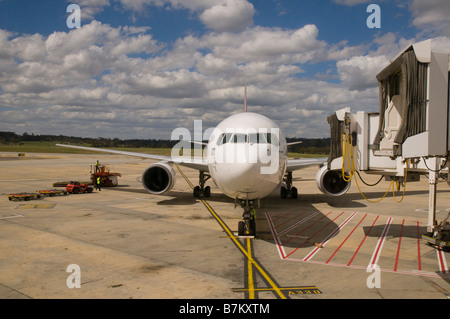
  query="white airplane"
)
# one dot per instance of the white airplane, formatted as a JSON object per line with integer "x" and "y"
{"x": 246, "y": 157}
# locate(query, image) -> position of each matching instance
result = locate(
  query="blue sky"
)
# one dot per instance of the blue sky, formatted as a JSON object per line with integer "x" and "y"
{"x": 141, "y": 68}
{"x": 336, "y": 21}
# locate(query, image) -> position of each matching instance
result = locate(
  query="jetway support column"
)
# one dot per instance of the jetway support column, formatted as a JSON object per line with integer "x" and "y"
{"x": 433, "y": 181}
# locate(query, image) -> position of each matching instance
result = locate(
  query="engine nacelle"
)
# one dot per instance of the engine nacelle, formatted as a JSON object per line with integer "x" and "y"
{"x": 158, "y": 178}
{"x": 331, "y": 182}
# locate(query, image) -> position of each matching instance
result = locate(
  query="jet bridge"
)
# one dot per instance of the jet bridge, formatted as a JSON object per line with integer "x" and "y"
{"x": 409, "y": 136}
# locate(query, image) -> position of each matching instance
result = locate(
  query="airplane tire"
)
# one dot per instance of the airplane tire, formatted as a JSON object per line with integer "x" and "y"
{"x": 241, "y": 228}
{"x": 197, "y": 191}
{"x": 207, "y": 191}
{"x": 294, "y": 192}
{"x": 252, "y": 228}
{"x": 283, "y": 192}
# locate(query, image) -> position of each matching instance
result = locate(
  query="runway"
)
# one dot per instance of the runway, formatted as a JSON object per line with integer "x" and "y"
{"x": 131, "y": 244}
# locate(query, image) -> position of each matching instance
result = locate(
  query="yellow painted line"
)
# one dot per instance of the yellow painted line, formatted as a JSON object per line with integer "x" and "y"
{"x": 249, "y": 257}
{"x": 237, "y": 243}
{"x": 251, "y": 284}
{"x": 270, "y": 289}
{"x": 36, "y": 206}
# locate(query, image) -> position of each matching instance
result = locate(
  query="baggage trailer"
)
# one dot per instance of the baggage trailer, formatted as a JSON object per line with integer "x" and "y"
{"x": 23, "y": 196}
{"x": 52, "y": 192}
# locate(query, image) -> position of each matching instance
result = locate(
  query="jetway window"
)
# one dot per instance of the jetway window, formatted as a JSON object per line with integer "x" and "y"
{"x": 394, "y": 85}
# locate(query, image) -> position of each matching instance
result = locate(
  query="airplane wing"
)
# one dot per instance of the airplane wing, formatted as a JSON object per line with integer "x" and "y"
{"x": 298, "y": 163}
{"x": 187, "y": 161}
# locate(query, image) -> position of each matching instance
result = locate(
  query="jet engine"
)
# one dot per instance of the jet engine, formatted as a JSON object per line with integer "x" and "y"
{"x": 331, "y": 182}
{"x": 158, "y": 178}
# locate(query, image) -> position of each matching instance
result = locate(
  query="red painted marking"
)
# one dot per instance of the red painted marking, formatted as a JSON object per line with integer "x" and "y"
{"x": 326, "y": 240}
{"x": 307, "y": 228}
{"x": 335, "y": 252}
{"x": 275, "y": 236}
{"x": 314, "y": 233}
{"x": 376, "y": 253}
{"x": 357, "y": 250}
{"x": 418, "y": 247}
{"x": 398, "y": 249}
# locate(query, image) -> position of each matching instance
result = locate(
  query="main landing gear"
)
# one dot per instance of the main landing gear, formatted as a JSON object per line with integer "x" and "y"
{"x": 202, "y": 190}
{"x": 247, "y": 226}
{"x": 288, "y": 191}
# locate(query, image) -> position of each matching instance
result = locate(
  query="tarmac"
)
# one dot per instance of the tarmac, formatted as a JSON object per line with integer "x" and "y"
{"x": 122, "y": 242}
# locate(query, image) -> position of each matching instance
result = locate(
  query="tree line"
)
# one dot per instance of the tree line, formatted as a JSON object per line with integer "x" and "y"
{"x": 308, "y": 145}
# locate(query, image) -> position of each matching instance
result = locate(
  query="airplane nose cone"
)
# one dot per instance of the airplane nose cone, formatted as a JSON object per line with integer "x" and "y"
{"x": 244, "y": 173}
{"x": 244, "y": 180}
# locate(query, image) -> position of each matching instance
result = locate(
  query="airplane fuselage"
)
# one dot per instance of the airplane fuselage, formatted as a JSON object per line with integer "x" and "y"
{"x": 246, "y": 156}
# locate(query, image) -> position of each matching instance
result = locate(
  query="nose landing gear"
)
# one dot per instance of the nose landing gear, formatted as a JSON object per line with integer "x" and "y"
{"x": 247, "y": 226}
{"x": 289, "y": 190}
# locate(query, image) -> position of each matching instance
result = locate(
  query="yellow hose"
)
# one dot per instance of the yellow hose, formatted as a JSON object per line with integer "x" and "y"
{"x": 347, "y": 152}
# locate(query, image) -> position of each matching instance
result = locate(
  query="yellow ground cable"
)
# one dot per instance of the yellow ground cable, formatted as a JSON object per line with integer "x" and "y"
{"x": 345, "y": 153}
{"x": 348, "y": 152}
{"x": 391, "y": 184}
{"x": 357, "y": 184}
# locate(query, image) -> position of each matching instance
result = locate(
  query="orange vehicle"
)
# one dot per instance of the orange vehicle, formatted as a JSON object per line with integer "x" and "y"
{"x": 108, "y": 179}
{"x": 77, "y": 188}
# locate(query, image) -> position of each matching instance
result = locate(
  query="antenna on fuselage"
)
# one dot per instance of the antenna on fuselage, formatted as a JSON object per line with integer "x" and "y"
{"x": 245, "y": 99}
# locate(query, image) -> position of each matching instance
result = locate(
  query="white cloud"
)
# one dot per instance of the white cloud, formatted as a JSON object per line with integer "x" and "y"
{"x": 431, "y": 16}
{"x": 231, "y": 15}
{"x": 219, "y": 15}
{"x": 268, "y": 44}
{"x": 358, "y": 73}
{"x": 61, "y": 83}
{"x": 89, "y": 8}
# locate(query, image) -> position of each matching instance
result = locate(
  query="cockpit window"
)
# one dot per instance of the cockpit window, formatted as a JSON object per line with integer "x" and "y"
{"x": 257, "y": 138}
{"x": 224, "y": 138}
{"x": 252, "y": 138}
{"x": 272, "y": 139}
{"x": 262, "y": 138}
{"x": 239, "y": 138}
